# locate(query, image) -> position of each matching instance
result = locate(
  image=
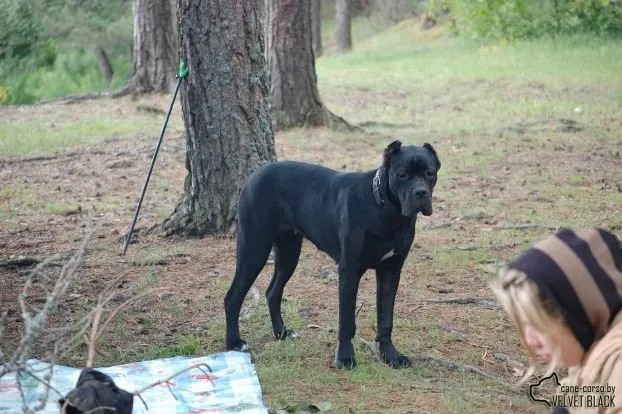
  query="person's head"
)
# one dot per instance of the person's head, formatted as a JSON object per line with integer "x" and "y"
{"x": 562, "y": 294}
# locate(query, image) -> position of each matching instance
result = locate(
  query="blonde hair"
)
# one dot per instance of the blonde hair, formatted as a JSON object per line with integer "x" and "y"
{"x": 520, "y": 297}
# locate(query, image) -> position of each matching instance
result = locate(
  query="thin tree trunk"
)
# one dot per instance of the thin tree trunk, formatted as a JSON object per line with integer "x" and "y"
{"x": 388, "y": 10}
{"x": 343, "y": 18}
{"x": 104, "y": 64}
{"x": 225, "y": 106}
{"x": 316, "y": 27}
{"x": 153, "y": 55}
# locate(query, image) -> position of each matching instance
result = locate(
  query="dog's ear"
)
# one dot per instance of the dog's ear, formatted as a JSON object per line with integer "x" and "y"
{"x": 430, "y": 148}
{"x": 391, "y": 149}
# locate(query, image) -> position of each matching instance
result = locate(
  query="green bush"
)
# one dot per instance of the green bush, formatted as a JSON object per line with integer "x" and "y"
{"x": 519, "y": 19}
{"x": 73, "y": 72}
{"x": 46, "y": 47}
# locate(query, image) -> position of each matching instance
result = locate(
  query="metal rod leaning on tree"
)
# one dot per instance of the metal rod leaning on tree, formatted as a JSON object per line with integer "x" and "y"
{"x": 183, "y": 71}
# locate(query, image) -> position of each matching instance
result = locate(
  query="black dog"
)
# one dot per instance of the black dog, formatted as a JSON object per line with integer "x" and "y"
{"x": 363, "y": 220}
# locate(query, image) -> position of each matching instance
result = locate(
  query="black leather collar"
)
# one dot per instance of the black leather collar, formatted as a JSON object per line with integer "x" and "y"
{"x": 380, "y": 192}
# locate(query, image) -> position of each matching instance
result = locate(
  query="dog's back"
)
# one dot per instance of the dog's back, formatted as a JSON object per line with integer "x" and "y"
{"x": 296, "y": 195}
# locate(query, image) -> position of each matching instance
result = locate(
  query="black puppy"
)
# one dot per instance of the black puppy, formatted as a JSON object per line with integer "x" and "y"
{"x": 363, "y": 220}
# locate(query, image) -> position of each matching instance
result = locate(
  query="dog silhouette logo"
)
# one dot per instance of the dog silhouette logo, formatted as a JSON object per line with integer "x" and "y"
{"x": 533, "y": 388}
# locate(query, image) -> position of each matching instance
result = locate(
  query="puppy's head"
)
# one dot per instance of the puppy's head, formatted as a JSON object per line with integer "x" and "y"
{"x": 411, "y": 171}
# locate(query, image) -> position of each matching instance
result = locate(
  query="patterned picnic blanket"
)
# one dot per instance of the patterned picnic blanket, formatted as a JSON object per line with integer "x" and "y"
{"x": 235, "y": 387}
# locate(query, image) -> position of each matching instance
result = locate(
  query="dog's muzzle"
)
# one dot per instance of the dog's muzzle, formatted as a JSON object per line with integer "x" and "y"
{"x": 420, "y": 200}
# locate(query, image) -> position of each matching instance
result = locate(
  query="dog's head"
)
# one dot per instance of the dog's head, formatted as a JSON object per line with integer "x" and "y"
{"x": 411, "y": 173}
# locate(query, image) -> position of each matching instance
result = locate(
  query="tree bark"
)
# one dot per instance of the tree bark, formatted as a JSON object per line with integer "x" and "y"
{"x": 225, "y": 106}
{"x": 295, "y": 100}
{"x": 343, "y": 19}
{"x": 316, "y": 27}
{"x": 153, "y": 55}
{"x": 104, "y": 64}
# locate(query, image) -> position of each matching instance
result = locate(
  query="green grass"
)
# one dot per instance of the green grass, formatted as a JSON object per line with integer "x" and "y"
{"x": 420, "y": 78}
{"x": 19, "y": 200}
{"x": 23, "y": 137}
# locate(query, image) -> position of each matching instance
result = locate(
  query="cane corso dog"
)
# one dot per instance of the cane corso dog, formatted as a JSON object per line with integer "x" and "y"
{"x": 362, "y": 220}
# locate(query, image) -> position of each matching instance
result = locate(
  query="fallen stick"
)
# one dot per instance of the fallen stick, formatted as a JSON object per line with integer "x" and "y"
{"x": 472, "y": 216}
{"x": 487, "y": 303}
{"x": 366, "y": 124}
{"x": 20, "y": 262}
{"x": 521, "y": 226}
{"x": 359, "y": 309}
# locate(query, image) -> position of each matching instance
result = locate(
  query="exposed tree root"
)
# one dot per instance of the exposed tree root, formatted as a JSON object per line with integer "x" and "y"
{"x": 69, "y": 99}
{"x": 337, "y": 123}
{"x": 371, "y": 348}
{"x": 487, "y": 303}
{"x": 20, "y": 262}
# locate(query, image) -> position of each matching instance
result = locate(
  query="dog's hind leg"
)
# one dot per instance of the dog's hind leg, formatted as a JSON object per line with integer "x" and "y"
{"x": 286, "y": 254}
{"x": 253, "y": 248}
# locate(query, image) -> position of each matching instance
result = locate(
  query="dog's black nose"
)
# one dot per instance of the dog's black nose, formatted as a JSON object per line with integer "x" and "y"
{"x": 421, "y": 193}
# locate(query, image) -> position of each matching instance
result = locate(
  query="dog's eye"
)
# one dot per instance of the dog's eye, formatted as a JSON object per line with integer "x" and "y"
{"x": 429, "y": 173}
{"x": 403, "y": 175}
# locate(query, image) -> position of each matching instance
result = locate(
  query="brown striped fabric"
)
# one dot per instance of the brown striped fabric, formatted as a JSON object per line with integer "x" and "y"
{"x": 579, "y": 271}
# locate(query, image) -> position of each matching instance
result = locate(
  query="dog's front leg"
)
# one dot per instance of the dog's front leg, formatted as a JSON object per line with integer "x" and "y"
{"x": 348, "y": 289}
{"x": 387, "y": 283}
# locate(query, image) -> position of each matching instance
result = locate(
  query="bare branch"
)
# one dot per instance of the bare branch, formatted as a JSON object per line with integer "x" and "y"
{"x": 166, "y": 380}
{"x": 44, "y": 382}
{"x": 93, "y": 340}
{"x": 96, "y": 331}
{"x": 94, "y": 410}
{"x": 35, "y": 324}
{"x": 359, "y": 309}
{"x": 118, "y": 308}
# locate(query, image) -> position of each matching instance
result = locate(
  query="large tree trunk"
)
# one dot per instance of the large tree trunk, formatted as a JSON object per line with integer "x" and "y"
{"x": 153, "y": 55}
{"x": 289, "y": 53}
{"x": 295, "y": 100}
{"x": 316, "y": 26}
{"x": 343, "y": 19}
{"x": 225, "y": 108}
{"x": 104, "y": 64}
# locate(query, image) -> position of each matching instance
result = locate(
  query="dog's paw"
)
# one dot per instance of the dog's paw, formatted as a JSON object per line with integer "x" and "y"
{"x": 287, "y": 333}
{"x": 345, "y": 363}
{"x": 393, "y": 358}
{"x": 399, "y": 361}
{"x": 239, "y": 346}
{"x": 344, "y": 358}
